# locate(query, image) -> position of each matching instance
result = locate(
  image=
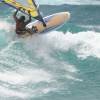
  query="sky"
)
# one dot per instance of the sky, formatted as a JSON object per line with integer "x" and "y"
{"x": 76, "y": 2}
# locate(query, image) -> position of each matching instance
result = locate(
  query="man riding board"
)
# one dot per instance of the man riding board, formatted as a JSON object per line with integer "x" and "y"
{"x": 21, "y": 24}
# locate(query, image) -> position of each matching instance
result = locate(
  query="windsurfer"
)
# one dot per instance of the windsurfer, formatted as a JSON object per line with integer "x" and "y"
{"x": 21, "y": 24}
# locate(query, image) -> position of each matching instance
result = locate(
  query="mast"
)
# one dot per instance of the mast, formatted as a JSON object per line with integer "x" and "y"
{"x": 39, "y": 17}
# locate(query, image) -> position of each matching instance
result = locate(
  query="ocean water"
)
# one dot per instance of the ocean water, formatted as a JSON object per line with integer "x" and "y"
{"x": 61, "y": 65}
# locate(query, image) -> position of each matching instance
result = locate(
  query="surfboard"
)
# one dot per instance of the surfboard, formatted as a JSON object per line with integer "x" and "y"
{"x": 53, "y": 21}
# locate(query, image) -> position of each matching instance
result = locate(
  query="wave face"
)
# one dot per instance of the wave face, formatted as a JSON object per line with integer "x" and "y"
{"x": 58, "y": 65}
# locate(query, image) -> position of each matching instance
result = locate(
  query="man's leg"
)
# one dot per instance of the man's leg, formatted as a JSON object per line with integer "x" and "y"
{"x": 32, "y": 31}
{"x": 29, "y": 31}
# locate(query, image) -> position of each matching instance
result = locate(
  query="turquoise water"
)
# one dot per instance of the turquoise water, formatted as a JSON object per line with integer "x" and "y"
{"x": 61, "y": 65}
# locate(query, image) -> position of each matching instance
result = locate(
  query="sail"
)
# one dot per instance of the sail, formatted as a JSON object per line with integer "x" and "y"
{"x": 25, "y": 5}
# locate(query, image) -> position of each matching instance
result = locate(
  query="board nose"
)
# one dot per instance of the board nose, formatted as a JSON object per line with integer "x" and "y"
{"x": 67, "y": 15}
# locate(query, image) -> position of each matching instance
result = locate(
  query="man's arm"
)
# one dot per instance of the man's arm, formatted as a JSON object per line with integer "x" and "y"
{"x": 14, "y": 15}
{"x": 30, "y": 19}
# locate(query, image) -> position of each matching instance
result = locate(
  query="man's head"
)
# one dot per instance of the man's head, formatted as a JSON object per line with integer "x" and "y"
{"x": 22, "y": 18}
